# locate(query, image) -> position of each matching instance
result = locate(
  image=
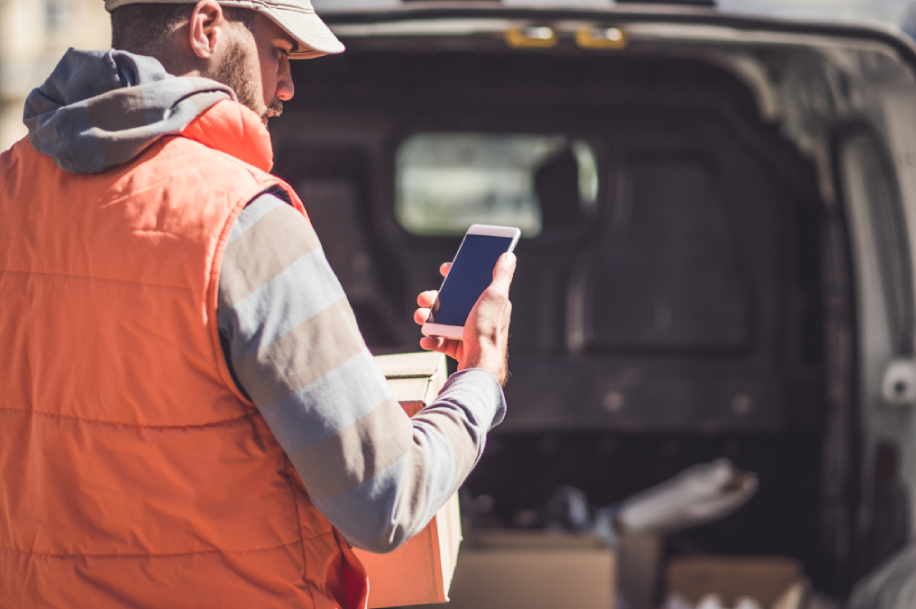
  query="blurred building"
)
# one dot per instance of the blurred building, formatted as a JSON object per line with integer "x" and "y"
{"x": 33, "y": 36}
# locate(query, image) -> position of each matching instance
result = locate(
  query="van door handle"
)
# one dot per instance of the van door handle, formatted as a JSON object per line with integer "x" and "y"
{"x": 899, "y": 384}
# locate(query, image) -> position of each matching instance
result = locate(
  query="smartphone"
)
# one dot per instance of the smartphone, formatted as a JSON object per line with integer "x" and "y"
{"x": 470, "y": 275}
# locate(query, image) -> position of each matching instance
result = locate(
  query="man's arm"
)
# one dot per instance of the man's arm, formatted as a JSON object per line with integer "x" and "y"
{"x": 295, "y": 349}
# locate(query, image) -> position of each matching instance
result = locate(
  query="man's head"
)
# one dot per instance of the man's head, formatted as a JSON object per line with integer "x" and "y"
{"x": 246, "y": 49}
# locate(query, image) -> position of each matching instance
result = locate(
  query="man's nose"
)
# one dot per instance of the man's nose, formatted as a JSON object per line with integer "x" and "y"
{"x": 285, "y": 87}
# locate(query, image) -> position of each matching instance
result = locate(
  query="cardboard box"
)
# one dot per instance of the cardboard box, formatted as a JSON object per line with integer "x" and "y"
{"x": 420, "y": 571}
{"x": 415, "y": 379}
{"x": 774, "y": 582}
{"x": 535, "y": 570}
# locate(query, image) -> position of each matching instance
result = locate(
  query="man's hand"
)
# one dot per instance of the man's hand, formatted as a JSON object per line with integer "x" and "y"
{"x": 486, "y": 333}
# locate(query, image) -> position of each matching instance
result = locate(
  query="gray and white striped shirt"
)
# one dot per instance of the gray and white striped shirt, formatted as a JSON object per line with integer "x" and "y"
{"x": 294, "y": 347}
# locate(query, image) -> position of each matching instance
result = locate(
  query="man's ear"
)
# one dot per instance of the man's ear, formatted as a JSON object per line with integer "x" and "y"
{"x": 206, "y": 28}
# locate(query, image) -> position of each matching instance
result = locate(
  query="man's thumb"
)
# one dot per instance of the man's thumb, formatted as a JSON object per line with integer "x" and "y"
{"x": 503, "y": 272}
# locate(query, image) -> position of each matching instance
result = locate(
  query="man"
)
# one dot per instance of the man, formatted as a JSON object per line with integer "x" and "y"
{"x": 189, "y": 414}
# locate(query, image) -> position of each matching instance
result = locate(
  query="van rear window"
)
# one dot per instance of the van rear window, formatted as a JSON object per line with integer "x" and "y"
{"x": 542, "y": 184}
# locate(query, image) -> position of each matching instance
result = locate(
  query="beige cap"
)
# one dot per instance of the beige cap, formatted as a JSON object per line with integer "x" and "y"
{"x": 297, "y": 17}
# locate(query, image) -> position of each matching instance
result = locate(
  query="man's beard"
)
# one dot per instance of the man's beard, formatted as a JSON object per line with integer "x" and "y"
{"x": 235, "y": 71}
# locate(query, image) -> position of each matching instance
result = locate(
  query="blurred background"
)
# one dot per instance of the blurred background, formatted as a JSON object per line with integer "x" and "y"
{"x": 33, "y": 37}
{"x": 35, "y": 34}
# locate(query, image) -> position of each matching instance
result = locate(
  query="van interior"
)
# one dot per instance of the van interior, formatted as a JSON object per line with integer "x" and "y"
{"x": 713, "y": 242}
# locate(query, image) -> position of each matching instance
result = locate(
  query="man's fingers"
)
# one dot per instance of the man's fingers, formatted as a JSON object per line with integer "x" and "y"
{"x": 444, "y": 268}
{"x": 502, "y": 274}
{"x": 440, "y": 344}
{"x": 426, "y": 299}
{"x": 431, "y": 343}
{"x": 420, "y": 316}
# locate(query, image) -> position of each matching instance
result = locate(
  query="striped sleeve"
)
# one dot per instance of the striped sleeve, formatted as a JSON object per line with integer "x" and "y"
{"x": 294, "y": 347}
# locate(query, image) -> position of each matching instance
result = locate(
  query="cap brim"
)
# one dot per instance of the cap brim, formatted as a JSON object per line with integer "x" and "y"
{"x": 307, "y": 29}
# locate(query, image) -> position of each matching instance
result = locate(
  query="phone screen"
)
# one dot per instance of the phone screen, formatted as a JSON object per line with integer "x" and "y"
{"x": 471, "y": 273}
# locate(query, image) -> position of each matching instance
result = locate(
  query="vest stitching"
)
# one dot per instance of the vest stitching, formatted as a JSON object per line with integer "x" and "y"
{"x": 175, "y": 555}
{"x": 89, "y": 277}
{"x": 282, "y": 545}
{"x": 127, "y": 424}
{"x": 303, "y": 540}
{"x": 292, "y": 490}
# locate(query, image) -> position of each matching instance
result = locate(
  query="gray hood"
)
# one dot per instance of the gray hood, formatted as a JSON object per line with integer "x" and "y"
{"x": 99, "y": 109}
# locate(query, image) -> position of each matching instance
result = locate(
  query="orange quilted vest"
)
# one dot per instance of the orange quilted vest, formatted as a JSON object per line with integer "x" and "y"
{"x": 132, "y": 472}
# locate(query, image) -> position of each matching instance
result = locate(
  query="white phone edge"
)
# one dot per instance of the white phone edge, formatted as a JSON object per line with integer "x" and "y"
{"x": 457, "y": 332}
{"x": 495, "y": 231}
